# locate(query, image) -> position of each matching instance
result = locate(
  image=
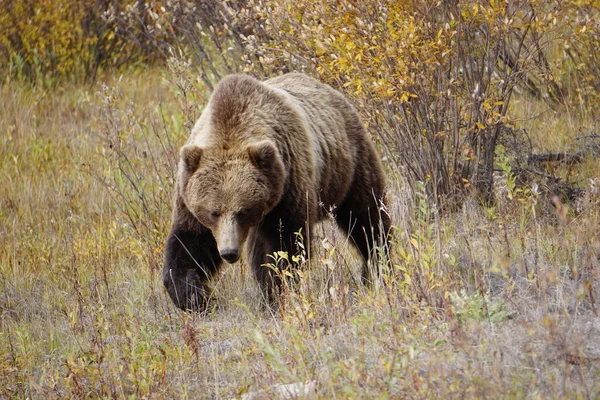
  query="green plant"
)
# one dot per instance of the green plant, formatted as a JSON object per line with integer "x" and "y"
{"x": 477, "y": 307}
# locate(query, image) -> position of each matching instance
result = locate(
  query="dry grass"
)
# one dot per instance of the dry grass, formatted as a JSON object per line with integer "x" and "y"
{"x": 497, "y": 302}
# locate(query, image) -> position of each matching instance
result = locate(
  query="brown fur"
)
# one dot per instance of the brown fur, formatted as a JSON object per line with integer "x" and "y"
{"x": 265, "y": 160}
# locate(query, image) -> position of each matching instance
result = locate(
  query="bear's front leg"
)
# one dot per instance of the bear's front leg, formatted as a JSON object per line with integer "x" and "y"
{"x": 191, "y": 258}
{"x": 262, "y": 243}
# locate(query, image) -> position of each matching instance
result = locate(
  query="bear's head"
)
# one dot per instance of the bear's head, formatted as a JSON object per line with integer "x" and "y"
{"x": 230, "y": 190}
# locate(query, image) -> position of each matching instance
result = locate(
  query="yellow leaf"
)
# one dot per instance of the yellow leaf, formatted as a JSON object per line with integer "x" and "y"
{"x": 414, "y": 242}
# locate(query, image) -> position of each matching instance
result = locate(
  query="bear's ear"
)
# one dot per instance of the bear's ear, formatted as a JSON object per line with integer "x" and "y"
{"x": 190, "y": 155}
{"x": 263, "y": 154}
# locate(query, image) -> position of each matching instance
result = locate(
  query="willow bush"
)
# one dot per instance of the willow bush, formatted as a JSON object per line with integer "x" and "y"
{"x": 434, "y": 80}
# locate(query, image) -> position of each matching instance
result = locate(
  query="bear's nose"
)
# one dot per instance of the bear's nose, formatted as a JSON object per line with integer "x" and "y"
{"x": 230, "y": 255}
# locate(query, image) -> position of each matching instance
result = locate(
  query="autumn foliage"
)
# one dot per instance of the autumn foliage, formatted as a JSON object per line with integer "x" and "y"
{"x": 433, "y": 80}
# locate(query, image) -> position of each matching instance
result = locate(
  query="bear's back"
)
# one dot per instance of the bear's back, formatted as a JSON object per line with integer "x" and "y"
{"x": 335, "y": 128}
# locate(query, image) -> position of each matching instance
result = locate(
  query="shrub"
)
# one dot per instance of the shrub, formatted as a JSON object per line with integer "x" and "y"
{"x": 45, "y": 41}
{"x": 434, "y": 81}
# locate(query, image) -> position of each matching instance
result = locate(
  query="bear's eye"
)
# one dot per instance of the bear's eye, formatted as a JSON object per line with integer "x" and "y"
{"x": 242, "y": 213}
{"x": 215, "y": 214}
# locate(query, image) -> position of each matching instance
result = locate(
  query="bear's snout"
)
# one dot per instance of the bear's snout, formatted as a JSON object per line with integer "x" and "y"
{"x": 230, "y": 255}
{"x": 230, "y": 237}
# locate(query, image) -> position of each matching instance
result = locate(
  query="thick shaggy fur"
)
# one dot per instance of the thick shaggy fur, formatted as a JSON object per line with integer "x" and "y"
{"x": 265, "y": 160}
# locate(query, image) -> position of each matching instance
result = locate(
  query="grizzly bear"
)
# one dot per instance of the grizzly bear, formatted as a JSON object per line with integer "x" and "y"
{"x": 264, "y": 161}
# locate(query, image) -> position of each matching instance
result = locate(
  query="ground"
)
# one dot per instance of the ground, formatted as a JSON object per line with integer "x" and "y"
{"x": 483, "y": 302}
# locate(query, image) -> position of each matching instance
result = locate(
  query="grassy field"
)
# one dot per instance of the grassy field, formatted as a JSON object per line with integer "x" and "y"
{"x": 485, "y": 302}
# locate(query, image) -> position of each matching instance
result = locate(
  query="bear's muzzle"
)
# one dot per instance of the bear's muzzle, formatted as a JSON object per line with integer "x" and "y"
{"x": 230, "y": 238}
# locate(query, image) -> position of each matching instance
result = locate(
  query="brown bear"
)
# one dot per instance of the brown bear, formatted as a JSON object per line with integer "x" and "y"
{"x": 264, "y": 161}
